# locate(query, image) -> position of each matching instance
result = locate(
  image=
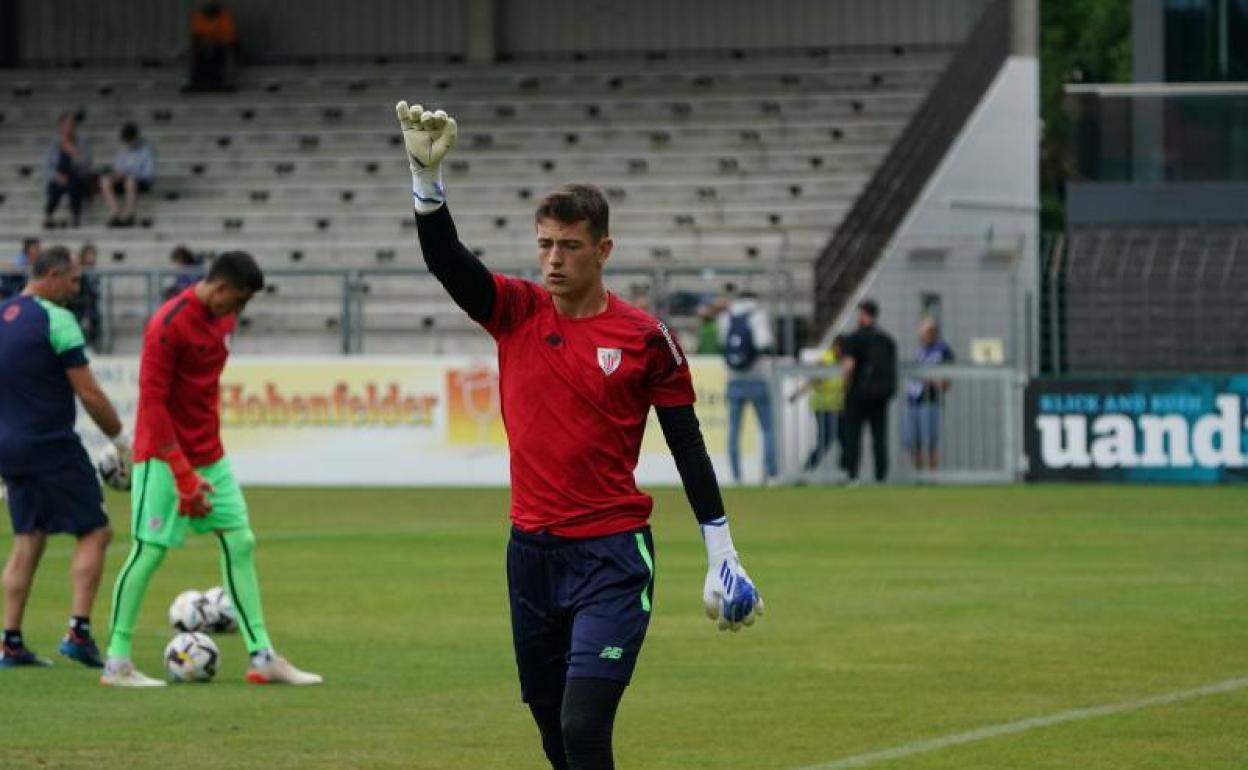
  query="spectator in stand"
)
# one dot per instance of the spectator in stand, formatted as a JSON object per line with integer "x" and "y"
{"x": 870, "y": 367}
{"x": 747, "y": 339}
{"x": 67, "y": 168}
{"x": 923, "y": 398}
{"x": 214, "y": 48}
{"x": 13, "y": 274}
{"x": 85, "y": 305}
{"x": 190, "y": 269}
{"x": 827, "y": 402}
{"x": 133, "y": 172}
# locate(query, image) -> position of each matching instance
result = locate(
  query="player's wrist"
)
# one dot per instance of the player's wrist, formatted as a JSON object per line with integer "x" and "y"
{"x": 427, "y": 191}
{"x": 121, "y": 441}
{"x": 184, "y": 476}
{"x": 718, "y": 540}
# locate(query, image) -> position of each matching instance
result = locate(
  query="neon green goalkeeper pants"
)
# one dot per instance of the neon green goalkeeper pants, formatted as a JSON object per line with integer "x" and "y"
{"x": 156, "y": 526}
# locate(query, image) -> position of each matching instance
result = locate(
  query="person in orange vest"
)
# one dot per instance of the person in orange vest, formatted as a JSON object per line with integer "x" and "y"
{"x": 214, "y": 48}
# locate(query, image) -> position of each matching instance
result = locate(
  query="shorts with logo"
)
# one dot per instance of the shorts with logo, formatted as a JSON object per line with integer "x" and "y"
{"x": 579, "y": 608}
{"x": 67, "y": 499}
{"x": 154, "y": 503}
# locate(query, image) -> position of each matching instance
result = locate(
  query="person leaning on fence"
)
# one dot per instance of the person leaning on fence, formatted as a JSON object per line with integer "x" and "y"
{"x": 85, "y": 305}
{"x": 827, "y": 402}
{"x": 13, "y": 274}
{"x": 870, "y": 366}
{"x": 745, "y": 330}
{"x": 923, "y": 399}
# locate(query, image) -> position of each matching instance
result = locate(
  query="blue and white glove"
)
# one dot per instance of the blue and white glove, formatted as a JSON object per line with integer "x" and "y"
{"x": 428, "y": 136}
{"x": 729, "y": 596}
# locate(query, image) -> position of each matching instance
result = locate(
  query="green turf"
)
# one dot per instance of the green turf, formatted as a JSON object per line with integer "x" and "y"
{"x": 894, "y": 616}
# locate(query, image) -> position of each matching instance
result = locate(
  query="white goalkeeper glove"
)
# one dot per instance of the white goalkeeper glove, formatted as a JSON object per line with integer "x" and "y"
{"x": 428, "y": 136}
{"x": 114, "y": 463}
{"x": 729, "y": 596}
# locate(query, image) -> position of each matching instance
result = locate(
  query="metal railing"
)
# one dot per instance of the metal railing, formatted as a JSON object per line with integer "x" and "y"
{"x": 979, "y": 427}
{"x": 337, "y": 298}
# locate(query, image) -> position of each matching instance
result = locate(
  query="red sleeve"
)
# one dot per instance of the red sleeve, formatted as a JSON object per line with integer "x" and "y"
{"x": 156, "y": 367}
{"x": 668, "y": 382}
{"x": 514, "y": 301}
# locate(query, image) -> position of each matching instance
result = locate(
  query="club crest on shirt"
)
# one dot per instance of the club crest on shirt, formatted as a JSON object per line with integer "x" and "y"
{"x": 12, "y": 312}
{"x": 609, "y": 359}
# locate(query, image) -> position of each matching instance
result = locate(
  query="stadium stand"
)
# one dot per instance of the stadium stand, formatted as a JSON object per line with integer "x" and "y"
{"x": 301, "y": 167}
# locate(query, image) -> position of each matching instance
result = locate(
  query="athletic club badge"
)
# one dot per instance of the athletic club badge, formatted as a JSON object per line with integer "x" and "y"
{"x": 609, "y": 359}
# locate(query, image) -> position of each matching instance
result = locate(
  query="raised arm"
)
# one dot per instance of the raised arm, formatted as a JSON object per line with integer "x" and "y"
{"x": 428, "y": 137}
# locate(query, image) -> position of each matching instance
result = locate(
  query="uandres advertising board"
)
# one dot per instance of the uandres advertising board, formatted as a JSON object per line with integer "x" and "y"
{"x": 1190, "y": 429}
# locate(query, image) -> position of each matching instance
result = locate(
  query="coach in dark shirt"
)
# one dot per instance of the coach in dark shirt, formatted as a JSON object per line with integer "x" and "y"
{"x": 870, "y": 365}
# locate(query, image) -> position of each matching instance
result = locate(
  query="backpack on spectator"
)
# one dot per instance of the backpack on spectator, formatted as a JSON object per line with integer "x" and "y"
{"x": 740, "y": 351}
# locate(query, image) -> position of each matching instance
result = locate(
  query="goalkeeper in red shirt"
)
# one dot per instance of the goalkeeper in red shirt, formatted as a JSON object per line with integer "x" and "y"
{"x": 182, "y": 479}
{"x": 579, "y": 369}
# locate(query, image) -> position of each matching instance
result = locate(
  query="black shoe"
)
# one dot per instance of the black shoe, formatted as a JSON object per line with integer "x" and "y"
{"x": 115, "y": 222}
{"x": 13, "y": 657}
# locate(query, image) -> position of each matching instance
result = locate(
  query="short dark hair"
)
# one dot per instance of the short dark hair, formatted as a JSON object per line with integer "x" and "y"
{"x": 238, "y": 269}
{"x": 28, "y": 242}
{"x": 129, "y": 132}
{"x": 51, "y": 258}
{"x": 869, "y": 307}
{"x": 575, "y": 203}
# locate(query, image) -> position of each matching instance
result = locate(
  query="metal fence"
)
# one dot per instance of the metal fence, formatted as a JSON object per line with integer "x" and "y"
{"x": 348, "y": 311}
{"x": 980, "y": 421}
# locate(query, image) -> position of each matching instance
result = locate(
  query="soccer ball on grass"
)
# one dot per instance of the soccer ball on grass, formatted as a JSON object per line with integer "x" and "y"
{"x": 192, "y": 658}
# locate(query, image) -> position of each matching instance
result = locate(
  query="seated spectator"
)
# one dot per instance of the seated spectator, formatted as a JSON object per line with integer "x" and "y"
{"x": 67, "y": 168}
{"x": 190, "y": 269}
{"x": 214, "y": 46}
{"x": 85, "y": 305}
{"x": 133, "y": 172}
{"x": 13, "y": 274}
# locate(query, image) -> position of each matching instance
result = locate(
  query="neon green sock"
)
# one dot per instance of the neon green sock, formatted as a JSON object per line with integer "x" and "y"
{"x": 128, "y": 592}
{"x": 238, "y": 568}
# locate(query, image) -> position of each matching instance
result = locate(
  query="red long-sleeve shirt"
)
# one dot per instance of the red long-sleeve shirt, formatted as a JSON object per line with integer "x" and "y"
{"x": 184, "y": 350}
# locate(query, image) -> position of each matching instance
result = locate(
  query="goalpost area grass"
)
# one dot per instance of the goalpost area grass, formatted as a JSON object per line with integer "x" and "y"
{"x": 894, "y": 616}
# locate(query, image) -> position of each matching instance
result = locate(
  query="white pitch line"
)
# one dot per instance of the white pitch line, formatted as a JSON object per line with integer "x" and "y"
{"x": 1009, "y": 728}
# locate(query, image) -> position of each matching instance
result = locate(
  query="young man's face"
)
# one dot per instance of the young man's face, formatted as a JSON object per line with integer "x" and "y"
{"x": 224, "y": 299}
{"x": 570, "y": 257}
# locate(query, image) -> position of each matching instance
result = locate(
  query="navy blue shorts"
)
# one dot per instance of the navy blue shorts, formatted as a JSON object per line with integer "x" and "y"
{"x": 68, "y": 499}
{"x": 579, "y": 608}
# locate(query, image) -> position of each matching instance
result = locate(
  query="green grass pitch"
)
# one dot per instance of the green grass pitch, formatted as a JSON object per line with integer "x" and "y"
{"x": 894, "y": 616}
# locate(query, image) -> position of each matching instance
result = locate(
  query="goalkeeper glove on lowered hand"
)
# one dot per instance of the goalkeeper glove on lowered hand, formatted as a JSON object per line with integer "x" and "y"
{"x": 428, "y": 137}
{"x": 728, "y": 595}
{"x": 193, "y": 489}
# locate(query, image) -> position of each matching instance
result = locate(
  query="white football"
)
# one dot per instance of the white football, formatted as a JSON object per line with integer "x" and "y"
{"x": 222, "y": 606}
{"x": 191, "y": 611}
{"x": 113, "y": 471}
{"x": 192, "y": 658}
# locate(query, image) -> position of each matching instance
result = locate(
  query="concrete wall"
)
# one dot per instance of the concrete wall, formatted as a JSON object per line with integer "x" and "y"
{"x": 61, "y": 31}
{"x": 972, "y": 237}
